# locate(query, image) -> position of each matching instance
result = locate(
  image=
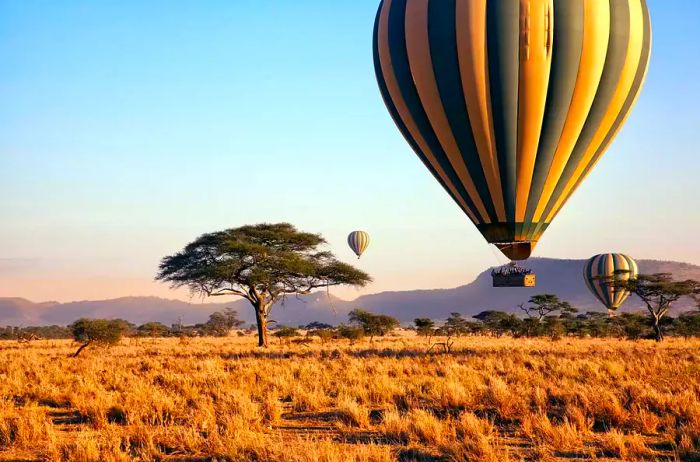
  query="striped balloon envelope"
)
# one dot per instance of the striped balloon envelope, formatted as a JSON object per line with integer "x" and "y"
{"x": 511, "y": 103}
{"x": 600, "y": 273}
{"x": 358, "y": 242}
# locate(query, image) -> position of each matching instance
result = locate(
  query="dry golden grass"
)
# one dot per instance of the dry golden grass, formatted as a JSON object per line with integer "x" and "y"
{"x": 224, "y": 400}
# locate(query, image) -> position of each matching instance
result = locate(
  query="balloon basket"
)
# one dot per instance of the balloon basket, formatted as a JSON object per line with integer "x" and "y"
{"x": 512, "y": 275}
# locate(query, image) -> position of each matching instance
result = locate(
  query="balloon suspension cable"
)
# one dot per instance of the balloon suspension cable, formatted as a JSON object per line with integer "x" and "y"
{"x": 330, "y": 300}
{"x": 496, "y": 254}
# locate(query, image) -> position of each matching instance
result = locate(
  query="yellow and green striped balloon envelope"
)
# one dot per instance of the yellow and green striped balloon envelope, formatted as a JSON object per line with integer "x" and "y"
{"x": 600, "y": 273}
{"x": 511, "y": 103}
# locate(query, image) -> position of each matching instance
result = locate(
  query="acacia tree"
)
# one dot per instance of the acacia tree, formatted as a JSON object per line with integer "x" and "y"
{"x": 221, "y": 322}
{"x": 545, "y": 304}
{"x": 97, "y": 331}
{"x": 261, "y": 263}
{"x": 425, "y": 327}
{"x": 373, "y": 324}
{"x": 455, "y": 326}
{"x": 500, "y": 323}
{"x": 152, "y": 329}
{"x": 658, "y": 292}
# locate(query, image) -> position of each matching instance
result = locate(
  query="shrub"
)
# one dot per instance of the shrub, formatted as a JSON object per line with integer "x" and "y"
{"x": 285, "y": 334}
{"x": 351, "y": 333}
{"x": 326, "y": 335}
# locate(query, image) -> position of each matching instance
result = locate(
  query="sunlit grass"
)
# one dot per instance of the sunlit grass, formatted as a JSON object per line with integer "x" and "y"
{"x": 490, "y": 399}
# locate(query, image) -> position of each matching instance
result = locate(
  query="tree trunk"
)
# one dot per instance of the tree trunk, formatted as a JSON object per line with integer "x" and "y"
{"x": 261, "y": 319}
{"x": 82, "y": 347}
{"x": 657, "y": 329}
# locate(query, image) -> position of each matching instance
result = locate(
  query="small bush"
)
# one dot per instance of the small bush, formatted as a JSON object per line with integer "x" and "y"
{"x": 351, "y": 333}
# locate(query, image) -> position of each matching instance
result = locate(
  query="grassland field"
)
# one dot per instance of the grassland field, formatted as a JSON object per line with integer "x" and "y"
{"x": 489, "y": 399}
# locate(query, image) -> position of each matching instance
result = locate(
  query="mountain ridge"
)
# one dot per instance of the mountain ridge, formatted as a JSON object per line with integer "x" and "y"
{"x": 560, "y": 276}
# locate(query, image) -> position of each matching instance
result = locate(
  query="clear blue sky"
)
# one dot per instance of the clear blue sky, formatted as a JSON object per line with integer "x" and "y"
{"x": 128, "y": 128}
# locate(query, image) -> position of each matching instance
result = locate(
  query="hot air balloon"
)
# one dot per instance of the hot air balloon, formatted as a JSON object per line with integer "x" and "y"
{"x": 511, "y": 103}
{"x": 600, "y": 274}
{"x": 358, "y": 242}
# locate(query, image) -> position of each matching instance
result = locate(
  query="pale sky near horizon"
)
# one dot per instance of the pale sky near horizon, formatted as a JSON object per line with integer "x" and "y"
{"x": 129, "y": 128}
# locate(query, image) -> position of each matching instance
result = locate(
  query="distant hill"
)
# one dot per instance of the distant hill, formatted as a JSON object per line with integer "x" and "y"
{"x": 18, "y": 311}
{"x": 293, "y": 311}
{"x": 561, "y": 277}
{"x": 21, "y": 312}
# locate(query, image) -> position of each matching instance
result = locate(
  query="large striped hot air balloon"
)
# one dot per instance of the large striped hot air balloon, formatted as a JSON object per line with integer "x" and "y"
{"x": 600, "y": 273}
{"x": 511, "y": 103}
{"x": 358, "y": 242}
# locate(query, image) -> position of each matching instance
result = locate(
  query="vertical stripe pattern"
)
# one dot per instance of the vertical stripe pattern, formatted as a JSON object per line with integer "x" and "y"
{"x": 511, "y": 103}
{"x": 602, "y": 270}
{"x": 358, "y": 242}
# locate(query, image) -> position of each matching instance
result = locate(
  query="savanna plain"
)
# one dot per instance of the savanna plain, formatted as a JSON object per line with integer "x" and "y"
{"x": 488, "y": 399}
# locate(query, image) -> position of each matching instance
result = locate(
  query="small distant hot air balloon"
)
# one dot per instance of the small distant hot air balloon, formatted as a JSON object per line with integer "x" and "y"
{"x": 600, "y": 273}
{"x": 358, "y": 242}
{"x": 511, "y": 103}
